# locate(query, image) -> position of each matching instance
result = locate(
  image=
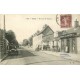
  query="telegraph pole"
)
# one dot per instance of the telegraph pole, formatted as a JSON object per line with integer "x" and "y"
{"x": 4, "y": 25}
{"x": 4, "y": 40}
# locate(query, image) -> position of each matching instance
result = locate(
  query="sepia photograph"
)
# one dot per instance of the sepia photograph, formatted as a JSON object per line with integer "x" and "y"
{"x": 39, "y": 39}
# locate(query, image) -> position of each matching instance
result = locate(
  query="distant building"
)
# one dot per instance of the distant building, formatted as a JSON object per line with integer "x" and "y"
{"x": 43, "y": 39}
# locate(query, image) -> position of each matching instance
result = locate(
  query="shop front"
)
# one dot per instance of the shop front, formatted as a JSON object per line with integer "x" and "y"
{"x": 69, "y": 43}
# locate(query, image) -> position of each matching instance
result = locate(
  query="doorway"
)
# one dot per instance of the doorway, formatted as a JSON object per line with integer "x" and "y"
{"x": 68, "y": 45}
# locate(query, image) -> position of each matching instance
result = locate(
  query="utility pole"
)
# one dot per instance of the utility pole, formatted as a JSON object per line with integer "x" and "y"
{"x": 4, "y": 26}
{"x": 3, "y": 40}
{"x": 4, "y": 31}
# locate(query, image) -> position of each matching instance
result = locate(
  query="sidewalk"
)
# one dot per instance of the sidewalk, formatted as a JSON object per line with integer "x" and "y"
{"x": 71, "y": 56}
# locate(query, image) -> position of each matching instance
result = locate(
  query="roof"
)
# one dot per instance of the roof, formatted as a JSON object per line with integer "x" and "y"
{"x": 44, "y": 28}
{"x": 72, "y": 30}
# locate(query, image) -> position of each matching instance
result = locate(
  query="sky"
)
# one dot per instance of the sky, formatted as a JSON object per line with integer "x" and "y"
{"x": 25, "y": 25}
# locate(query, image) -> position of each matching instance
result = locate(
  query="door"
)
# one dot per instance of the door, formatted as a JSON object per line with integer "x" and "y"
{"x": 68, "y": 45}
{"x": 74, "y": 45}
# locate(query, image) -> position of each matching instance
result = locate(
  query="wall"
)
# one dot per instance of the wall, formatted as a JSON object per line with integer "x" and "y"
{"x": 51, "y": 44}
{"x": 37, "y": 41}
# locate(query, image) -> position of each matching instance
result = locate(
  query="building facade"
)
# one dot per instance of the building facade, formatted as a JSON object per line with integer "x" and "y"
{"x": 57, "y": 42}
{"x": 69, "y": 43}
{"x": 70, "y": 39}
{"x": 43, "y": 40}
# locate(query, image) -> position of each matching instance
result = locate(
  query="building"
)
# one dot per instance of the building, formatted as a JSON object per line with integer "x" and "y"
{"x": 43, "y": 39}
{"x": 70, "y": 39}
{"x": 57, "y": 41}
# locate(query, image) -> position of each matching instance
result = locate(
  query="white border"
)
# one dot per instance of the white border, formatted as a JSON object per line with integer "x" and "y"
{"x": 42, "y": 72}
{"x": 39, "y": 6}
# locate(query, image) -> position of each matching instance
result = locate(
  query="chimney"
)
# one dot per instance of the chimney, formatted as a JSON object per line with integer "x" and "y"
{"x": 76, "y": 23}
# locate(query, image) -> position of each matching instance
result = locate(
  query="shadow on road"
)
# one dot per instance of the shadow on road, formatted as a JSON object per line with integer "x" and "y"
{"x": 21, "y": 54}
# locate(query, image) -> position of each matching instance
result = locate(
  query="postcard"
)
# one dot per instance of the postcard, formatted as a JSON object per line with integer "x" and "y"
{"x": 39, "y": 39}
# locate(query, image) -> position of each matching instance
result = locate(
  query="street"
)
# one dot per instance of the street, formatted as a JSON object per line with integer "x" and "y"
{"x": 28, "y": 57}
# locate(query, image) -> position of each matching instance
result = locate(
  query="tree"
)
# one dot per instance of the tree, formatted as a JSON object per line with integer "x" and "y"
{"x": 25, "y": 42}
{"x": 11, "y": 37}
{"x": 31, "y": 40}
